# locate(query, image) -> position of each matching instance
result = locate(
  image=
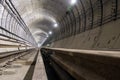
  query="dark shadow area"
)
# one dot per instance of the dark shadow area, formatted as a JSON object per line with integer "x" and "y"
{"x": 51, "y": 74}
{"x": 54, "y": 71}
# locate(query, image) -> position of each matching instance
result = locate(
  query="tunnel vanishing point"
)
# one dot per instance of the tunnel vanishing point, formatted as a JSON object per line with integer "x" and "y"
{"x": 59, "y": 39}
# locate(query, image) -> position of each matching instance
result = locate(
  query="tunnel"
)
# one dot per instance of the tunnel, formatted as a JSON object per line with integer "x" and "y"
{"x": 59, "y": 40}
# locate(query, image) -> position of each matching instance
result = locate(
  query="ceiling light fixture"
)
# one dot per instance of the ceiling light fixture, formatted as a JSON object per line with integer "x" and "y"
{"x": 55, "y": 25}
{"x": 73, "y": 2}
{"x": 50, "y": 32}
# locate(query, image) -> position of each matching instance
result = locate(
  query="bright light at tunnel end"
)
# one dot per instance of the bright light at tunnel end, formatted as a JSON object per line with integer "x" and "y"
{"x": 47, "y": 36}
{"x": 73, "y": 2}
{"x": 50, "y": 32}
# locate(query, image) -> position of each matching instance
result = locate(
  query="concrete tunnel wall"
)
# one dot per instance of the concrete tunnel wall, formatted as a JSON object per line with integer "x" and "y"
{"x": 106, "y": 36}
{"x": 14, "y": 34}
{"x": 6, "y": 46}
{"x": 103, "y": 36}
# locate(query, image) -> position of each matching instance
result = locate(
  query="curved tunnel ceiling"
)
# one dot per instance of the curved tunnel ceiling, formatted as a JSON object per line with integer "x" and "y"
{"x": 40, "y": 15}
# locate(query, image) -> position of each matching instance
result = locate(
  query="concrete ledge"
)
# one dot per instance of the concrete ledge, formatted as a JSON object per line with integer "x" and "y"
{"x": 88, "y": 64}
